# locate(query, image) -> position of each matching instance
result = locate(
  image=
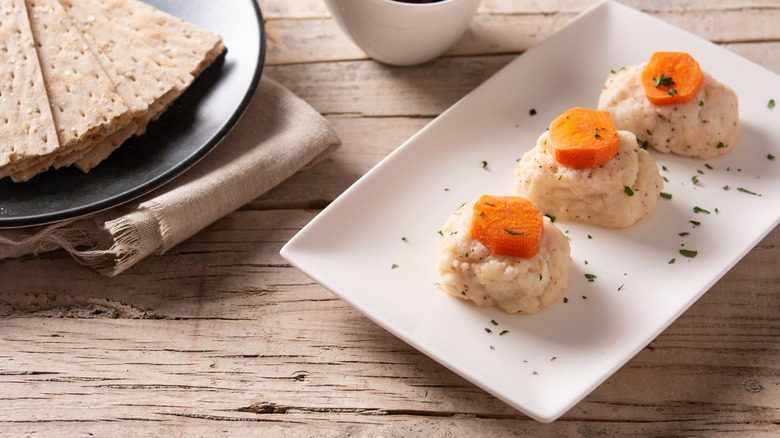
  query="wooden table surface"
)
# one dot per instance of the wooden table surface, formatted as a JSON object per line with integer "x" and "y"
{"x": 221, "y": 336}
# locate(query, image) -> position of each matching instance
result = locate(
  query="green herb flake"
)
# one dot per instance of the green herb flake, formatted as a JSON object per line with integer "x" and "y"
{"x": 671, "y": 262}
{"x": 695, "y": 223}
{"x": 487, "y": 330}
{"x": 584, "y": 297}
{"x": 535, "y": 373}
{"x": 720, "y": 145}
{"x": 697, "y": 209}
{"x": 644, "y": 145}
{"x": 589, "y": 236}
{"x": 532, "y": 112}
{"x": 596, "y": 133}
{"x": 484, "y": 164}
{"x": 649, "y": 132}
{"x": 770, "y": 104}
{"x": 708, "y": 166}
{"x": 493, "y": 321}
{"x": 394, "y": 266}
{"x": 749, "y": 192}
{"x": 701, "y": 103}
{"x": 590, "y": 277}
{"x": 620, "y": 288}
{"x": 664, "y": 168}
{"x": 666, "y": 195}
{"x": 551, "y": 217}
{"x": 726, "y": 187}
{"x": 628, "y": 191}
{"x": 695, "y": 179}
{"x": 514, "y": 233}
{"x": 770, "y": 157}
{"x": 586, "y": 262}
{"x": 565, "y": 300}
{"x": 688, "y": 253}
{"x": 683, "y": 234}
{"x": 490, "y": 204}
{"x": 671, "y": 92}
{"x": 663, "y": 81}
{"x": 552, "y": 359}
{"x": 492, "y": 347}
{"x": 404, "y": 239}
{"x": 440, "y": 233}
{"x": 503, "y": 332}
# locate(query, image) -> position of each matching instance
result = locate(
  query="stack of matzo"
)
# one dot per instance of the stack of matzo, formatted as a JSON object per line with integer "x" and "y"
{"x": 79, "y": 77}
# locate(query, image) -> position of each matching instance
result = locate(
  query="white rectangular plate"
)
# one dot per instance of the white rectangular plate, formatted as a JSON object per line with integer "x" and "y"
{"x": 377, "y": 245}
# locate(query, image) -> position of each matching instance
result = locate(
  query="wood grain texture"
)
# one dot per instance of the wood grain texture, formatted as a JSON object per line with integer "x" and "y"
{"x": 221, "y": 337}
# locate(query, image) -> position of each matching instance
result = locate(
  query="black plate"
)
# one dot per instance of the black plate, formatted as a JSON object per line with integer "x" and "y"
{"x": 190, "y": 128}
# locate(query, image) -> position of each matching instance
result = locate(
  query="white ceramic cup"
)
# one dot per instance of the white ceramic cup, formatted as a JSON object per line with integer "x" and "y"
{"x": 398, "y": 33}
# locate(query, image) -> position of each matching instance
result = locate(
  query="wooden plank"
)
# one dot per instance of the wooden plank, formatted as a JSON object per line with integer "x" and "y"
{"x": 320, "y": 39}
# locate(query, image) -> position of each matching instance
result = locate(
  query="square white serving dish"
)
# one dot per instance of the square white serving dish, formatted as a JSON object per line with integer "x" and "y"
{"x": 377, "y": 245}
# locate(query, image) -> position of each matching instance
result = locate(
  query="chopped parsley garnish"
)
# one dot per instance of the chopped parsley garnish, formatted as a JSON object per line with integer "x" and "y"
{"x": 404, "y": 238}
{"x": 708, "y": 166}
{"x": 663, "y": 81}
{"x": 698, "y": 209}
{"x": 726, "y": 187}
{"x": 671, "y": 262}
{"x": 688, "y": 253}
{"x": 672, "y": 92}
{"x": 584, "y": 297}
{"x": 701, "y": 103}
{"x": 440, "y": 233}
{"x": 514, "y": 233}
{"x": 720, "y": 145}
{"x": 532, "y": 112}
{"x": 771, "y": 103}
{"x": 394, "y": 265}
{"x": 552, "y": 359}
{"x": 683, "y": 234}
{"x": 695, "y": 223}
{"x": 666, "y": 195}
{"x": 744, "y": 190}
{"x": 590, "y": 277}
{"x": 620, "y": 288}
{"x": 484, "y": 164}
{"x": 565, "y": 300}
{"x": 493, "y": 321}
{"x": 487, "y": 330}
{"x": 551, "y": 217}
{"x": 589, "y": 236}
{"x": 490, "y": 204}
{"x": 770, "y": 157}
{"x": 644, "y": 145}
{"x": 503, "y": 332}
{"x": 628, "y": 191}
{"x": 695, "y": 179}
{"x": 596, "y": 133}
{"x": 649, "y": 132}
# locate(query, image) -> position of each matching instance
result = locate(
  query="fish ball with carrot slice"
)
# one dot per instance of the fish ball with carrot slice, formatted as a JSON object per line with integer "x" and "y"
{"x": 501, "y": 252}
{"x": 674, "y": 106}
{"x": 583, "y": 169}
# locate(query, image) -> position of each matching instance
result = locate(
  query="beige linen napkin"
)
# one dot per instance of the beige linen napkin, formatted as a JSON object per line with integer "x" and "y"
{"x": 278, "y": 135}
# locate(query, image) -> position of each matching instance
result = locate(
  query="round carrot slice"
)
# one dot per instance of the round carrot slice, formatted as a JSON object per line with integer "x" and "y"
{"x": 508, "y": 225}
{"x": 671, "y": 77}
{"x": 583, "y": 138}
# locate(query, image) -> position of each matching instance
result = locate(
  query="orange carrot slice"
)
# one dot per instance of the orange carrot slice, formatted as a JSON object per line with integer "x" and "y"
{"x": 671, "y": 77}
{"x": 583, "y": 138}
{"x": 507, "y": 225}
